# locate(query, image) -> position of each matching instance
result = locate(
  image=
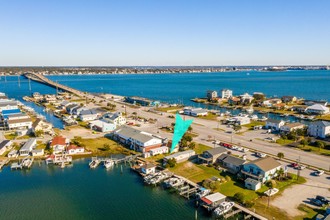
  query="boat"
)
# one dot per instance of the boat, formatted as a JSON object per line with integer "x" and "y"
{"x": 254, "y": 117}
{"x": 250, "y": 110}
{"x": 108, "y": 163}
{"x": 27, "y": 163}
{"x": 223, "y": 208}
{"x": 263, "y": 118}
{"x": 94, "y": 163}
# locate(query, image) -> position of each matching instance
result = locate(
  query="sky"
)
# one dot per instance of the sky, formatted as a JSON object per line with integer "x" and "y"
{"x": 164, "y": 32}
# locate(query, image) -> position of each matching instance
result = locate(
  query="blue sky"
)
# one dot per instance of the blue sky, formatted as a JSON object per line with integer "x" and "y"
{"x": 164, "y": 32}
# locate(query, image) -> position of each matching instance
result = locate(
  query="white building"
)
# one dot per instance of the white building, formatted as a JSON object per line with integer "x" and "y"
{"x": 226, "y": 93}
{"x": 291, "y": 127}
{"x": 8, "y": 105}
{"x": 115, "y": 118}
{"x": 38, "y": 152}
{"x": 148, "y": 168}
{"x": 19, "y": 123}
{"x": 4, "y": 146}
{"x": 73, "y": 149}
{"x": 180, "y": 156}
{"x": 246, "y": 98}
{"x": 158, "y": 150}
{"x": 317, "y": 109}
{"x": 195, "y": 111}
{"x": 28, "y": 147}
{"x": 211, "y": 94}
{"x": 319, "y": 129}
{"x": 88, "y": 115}
{"x": 242, "y": 120}
{"x": 12, "y": 154}
{"x": 274, "y": 124}
{"x": 102, "y": 126}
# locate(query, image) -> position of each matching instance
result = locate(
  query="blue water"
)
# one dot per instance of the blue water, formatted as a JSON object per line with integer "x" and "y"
{"x": 81, "y": 193}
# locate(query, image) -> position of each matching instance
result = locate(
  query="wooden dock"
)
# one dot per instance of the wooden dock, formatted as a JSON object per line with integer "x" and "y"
{"x": 3, "y": 162}
{"x": 249, "y": 213}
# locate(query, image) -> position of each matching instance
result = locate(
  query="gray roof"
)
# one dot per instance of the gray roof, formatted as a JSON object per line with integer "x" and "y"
{"x": 5, "y": 103}
{"x": 180, "y": 153}
{"x": 134, "y": 134}
{"x": 148, "y": 165}
{"x": 4, "y": 143}
{"x": 252, "y": 181}
{"x": 273, "y": 120}
{"x": 233, "y": 160}
{"x": 216, "y": 151}
{"x": 28, "y": 144}
{"x": 321, "y": 123}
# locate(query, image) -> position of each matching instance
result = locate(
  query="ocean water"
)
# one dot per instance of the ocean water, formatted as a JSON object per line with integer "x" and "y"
{"x": 78, "y": 192}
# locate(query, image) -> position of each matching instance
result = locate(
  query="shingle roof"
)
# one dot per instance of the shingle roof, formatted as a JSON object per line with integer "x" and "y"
{"x": 233, "y": 160}
{"x": 266, "y": 163}
{"x": 4, "y": 143}
{"x": 58, "y": 140}
{"x": 217, "y": 150}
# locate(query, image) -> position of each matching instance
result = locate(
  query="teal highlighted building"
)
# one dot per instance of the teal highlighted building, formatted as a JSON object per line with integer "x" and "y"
{"x": 181, "y": 126}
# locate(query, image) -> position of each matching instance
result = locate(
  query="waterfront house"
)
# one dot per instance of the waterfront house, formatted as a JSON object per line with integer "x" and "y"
{"x": 8, "y": 105}
{"x": 274, "y": 124}
{"x": 320, "y": 129}
{"x": 289, "y": 99}
{"x": 275, "y": 101}
{"x": 252, "y": 184}
{"x": 313, "y": 102}
{"x": 58, "y": 144}
{"x": 231, "y": 163}
{"x": 41, "y": 125}
{"x": 38, "y": 152}
{"x": 226, "y": 93}
{"x": 246, "y": 98}
{"x": 12, "y": 154}
{"x": 266, "y": 103}
{"x": 211, "y": 94}
{"x": 234, "y": 101}
{"x": 88, "y": 115}
{"x": 136, "y": 139}
{"x": 262, "y": 169}
{"x": 49, "y": 99}
{"x": 148, "y": 168}
{"x": 37, "y": 96}
{"x": 16, "y": 116}
{"x": 115, "y": 118}
{"x": 210, "y": 156}
{"x": 28, "y": 147}
{"x": 180, "y": 156}
{"x": 19, "y": 123}
{"x": 70, "y": 107}
{"x": 138, "y": 101}
{"x": 212, "y": 201}
{"x": 158, "y": 150}
{"x": 317, "y": 109}
{"x": 73, "y": 149}
{"x": 291, "y": 127}
{"x": 4, "y": 146}
{"x": 299, "y": 108}
{"x": 102, "y": 126}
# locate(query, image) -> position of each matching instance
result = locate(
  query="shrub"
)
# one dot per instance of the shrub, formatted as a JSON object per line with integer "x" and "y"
{"x": 228, "y": 178}
{"x": 239, "y": 197}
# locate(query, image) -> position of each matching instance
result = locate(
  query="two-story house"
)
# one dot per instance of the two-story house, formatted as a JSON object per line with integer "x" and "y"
{"x": 210, "y": 156}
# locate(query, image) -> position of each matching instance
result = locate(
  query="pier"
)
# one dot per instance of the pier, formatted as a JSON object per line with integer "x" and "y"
{"x": 3, "y": 162}
{"x": 98, "y": 160}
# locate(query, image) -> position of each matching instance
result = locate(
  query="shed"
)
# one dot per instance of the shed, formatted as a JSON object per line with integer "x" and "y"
{"x": 213, "y": 200}
{"x": 252, "y": 184}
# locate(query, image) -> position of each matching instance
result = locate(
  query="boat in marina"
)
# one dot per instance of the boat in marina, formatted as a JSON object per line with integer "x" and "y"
{"x": 27, "y": 163}
{"x": 263, "y": 118}
{"x": 223, "y": 208}
{"x": 94, "y": 163}
{"x": 108, "y": 163}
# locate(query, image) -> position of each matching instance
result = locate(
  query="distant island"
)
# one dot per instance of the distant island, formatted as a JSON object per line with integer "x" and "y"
{"x": 148, "y": 69}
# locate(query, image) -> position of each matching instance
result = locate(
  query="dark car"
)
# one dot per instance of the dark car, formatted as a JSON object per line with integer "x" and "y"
{"x": 316, "y": 202}
{"x": 322, "y": 199}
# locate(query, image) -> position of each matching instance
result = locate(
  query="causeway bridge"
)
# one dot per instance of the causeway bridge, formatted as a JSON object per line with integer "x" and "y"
{"x": 42, "y": 79}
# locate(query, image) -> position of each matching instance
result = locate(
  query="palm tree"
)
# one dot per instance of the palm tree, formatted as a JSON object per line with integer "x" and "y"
{"x": 280, "y": 155}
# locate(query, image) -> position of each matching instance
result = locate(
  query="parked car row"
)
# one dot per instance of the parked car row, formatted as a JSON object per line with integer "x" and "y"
{"x": 319, "y": 201}
{"x": 297, "y": 166}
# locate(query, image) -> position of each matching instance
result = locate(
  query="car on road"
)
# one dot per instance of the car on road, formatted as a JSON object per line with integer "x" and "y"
{"x": 301, "y": 167}
{"x": 258, "y": 154}
{"x": 294, "y": 165}
{"x": 322, "y": 199}
{"x": 318, "y": 172}
{"x": 316, "y": 202}
{"x": 245, "y": 150}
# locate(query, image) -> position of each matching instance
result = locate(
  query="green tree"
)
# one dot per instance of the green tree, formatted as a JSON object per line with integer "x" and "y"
{"x": 239, "y": 197}
{"x": 319, "y": 144}
{"x": 38, "y": 133}
{"x": 280, "y": 173}
{"x": 304, "y": 142}
{"x": 280, "y": 155}
{"x": 192, "y": 145}
{"x": 171, "y": 162}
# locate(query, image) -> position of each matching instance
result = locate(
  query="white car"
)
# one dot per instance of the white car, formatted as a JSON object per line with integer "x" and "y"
{"x": 301, "y": 167}
{"x": 319, "y": 172}
{"x": 234, "y": 147}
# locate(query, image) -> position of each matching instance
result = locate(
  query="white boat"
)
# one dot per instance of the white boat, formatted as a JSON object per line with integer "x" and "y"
{"x": 254, "y": 117}
{"x": 223, "y": 208}
{"x": 249, "y": 110}
{"x": 263, "y": 118}
{"x": 94, "y": 163}
{"x": 108, "y": 163}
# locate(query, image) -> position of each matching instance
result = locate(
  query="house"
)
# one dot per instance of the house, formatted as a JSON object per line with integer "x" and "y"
{"x": 70, "y": 108}
{"x": 291, "y": 127}
{"x": 252, "y": 184}
{"x": 299, "y": 108}
{"x": 148, "y": 168}
{"x": 102, "y": 126}
{"x": 158, "y": 150}
{"x": 88, "y": 115}
{"x": 138, "y": 101}
{"x": 38, "y": 152}
{"x": 73, "y": 149}
{"x": 195, "y": 111}
{"x": 246, "y": 98}
{"x": 317, "y": 109}
{"x": 28, "y": 147}
{"x": 116, "y": 118}
{"x": 289, "y": 99}
{"x": 313, "y": 102}
{"x": 8, "y": 105}
{"x": 211, "y": 94}
{"x": 136, "y": 139}
{"x": 241, "y": 120}
{"x": 274, "y": 124}
{"x": 262, "y": 169}
{"x": 19, "y": 123}
{"x": 4, "y": 146}
{"x": 275, "y": 101}
{"x": 210, "y": 156}
{"x": 40, "y": 125}
{"x": 226, "y": 93}
{"x": 319, "y": 129}
{"x": 58, "y": 144}
{"x": 37, "y": 96}
{"x": 180, "y": 156}
{"x": 234, "y": 101}
{"x": 232, "y": 163}
{"x": 12, "y": 154}
{"x": 213, "y": 200}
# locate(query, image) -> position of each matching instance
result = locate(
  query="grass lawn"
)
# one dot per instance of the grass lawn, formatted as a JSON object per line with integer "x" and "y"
{"x": 169, "y": 109}
{"x": 315, "y": 150}
{"x": 97, "y": 146}
{"x": 254, "y": 123}
{"x": 281, "y": 141}
{"x": 10, "y": 136}
{"x": 209, "y": 116}
{"x": 200, "y": 148}
{"x": 323, "y": 117}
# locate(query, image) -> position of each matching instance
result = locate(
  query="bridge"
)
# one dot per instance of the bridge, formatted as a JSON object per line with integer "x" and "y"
{"x": 44, "y": 80}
